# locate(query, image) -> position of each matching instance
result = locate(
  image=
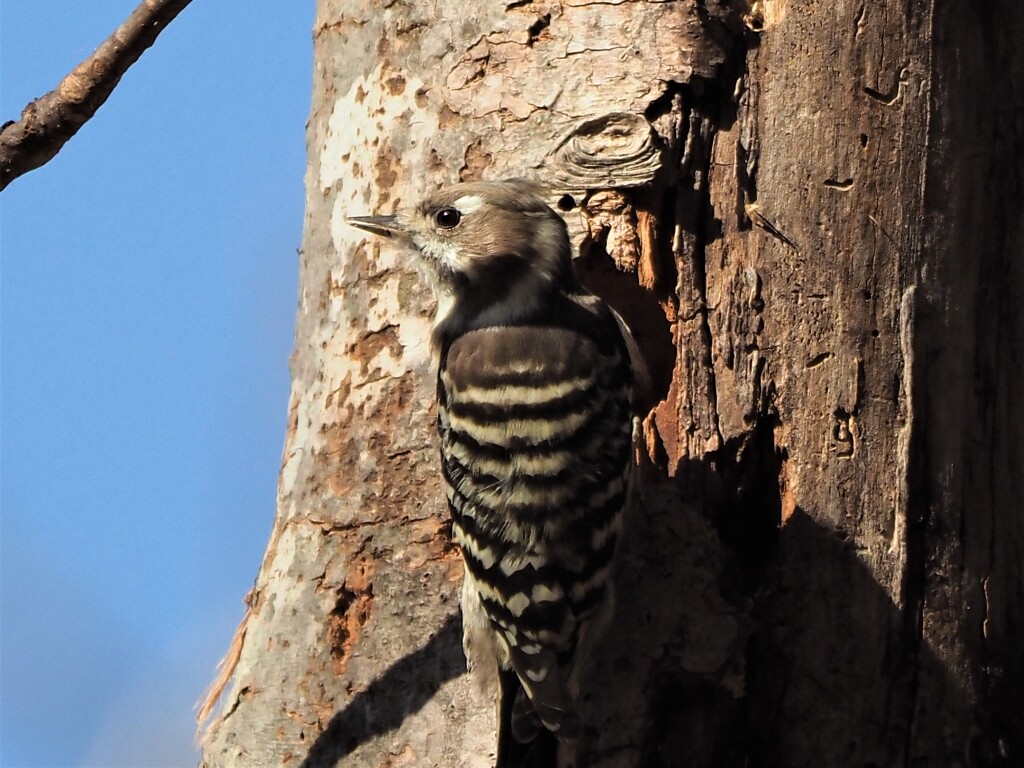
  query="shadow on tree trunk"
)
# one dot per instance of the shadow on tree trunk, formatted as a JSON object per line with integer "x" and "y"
{"x": 412, "y": 681}
{"x": 810, "y": 665}
{"x": 718, "y": 658}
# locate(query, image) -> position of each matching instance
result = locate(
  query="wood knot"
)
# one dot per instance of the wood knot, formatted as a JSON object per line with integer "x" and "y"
{"x": 616, "y": 150}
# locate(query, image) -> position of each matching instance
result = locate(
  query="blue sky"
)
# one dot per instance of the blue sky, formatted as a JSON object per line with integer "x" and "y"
{"x": 148, "y": 291}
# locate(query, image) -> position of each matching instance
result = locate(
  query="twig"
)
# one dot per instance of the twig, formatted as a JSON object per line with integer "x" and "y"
{"x": 48, "y": 122}
{"x": 753, "y": 210}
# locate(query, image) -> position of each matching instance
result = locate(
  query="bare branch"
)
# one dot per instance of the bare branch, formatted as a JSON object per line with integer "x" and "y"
{"x": 48, "y": 122}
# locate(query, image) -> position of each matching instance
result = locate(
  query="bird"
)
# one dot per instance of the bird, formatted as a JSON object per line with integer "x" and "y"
{"x": 537, "y": 385}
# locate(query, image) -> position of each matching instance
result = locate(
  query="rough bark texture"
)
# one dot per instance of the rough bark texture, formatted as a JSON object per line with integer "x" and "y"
{"x": 811, "y": 215}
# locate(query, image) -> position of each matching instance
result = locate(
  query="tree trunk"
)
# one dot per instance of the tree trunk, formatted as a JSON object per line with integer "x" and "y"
{"x": 810, "y": 214}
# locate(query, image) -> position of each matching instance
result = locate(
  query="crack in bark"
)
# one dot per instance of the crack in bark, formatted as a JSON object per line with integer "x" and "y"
{"x": 697, "y": 165}
{"x": 915, "y": 504}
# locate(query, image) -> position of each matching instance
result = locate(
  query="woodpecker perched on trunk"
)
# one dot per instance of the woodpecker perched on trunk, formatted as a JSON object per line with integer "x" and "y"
{"x": 536, "y": 382}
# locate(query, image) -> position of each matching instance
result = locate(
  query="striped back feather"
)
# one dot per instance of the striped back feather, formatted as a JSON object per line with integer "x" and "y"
{"x": 535, "y": 424}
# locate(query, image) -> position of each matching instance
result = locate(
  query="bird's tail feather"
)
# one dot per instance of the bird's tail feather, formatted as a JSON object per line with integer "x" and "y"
{"x": 523, "y": 742}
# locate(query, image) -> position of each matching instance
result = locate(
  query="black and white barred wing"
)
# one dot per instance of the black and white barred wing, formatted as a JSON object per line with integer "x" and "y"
{"x": 535, "y": 427}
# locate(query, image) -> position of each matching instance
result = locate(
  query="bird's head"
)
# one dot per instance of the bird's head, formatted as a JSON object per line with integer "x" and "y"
{"x": 494, "y": 251}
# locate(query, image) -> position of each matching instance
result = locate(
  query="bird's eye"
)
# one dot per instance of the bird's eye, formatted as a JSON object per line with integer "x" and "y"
{"x": 447, "y": 218}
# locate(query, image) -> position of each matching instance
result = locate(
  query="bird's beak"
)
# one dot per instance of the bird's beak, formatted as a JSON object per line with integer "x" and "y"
{"x": 385, "y": 226}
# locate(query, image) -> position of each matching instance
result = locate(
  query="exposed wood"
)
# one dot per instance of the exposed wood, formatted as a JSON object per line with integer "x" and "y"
{"x": 50, "y": 121}
{"x": 817, "y": 237}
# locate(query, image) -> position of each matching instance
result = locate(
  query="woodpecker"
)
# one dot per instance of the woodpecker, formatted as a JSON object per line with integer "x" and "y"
{"x": 536, "y": 380}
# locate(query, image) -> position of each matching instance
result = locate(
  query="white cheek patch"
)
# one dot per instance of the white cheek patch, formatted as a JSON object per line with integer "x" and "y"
{"x": 468, "y": 203}
{"x": 443, "y": 252}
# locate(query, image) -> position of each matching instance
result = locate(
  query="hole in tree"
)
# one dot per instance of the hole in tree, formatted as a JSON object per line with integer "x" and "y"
{"x": 639, "y": 308}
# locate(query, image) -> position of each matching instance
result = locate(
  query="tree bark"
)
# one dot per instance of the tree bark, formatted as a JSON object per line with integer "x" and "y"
{"x": 811, "y": 216}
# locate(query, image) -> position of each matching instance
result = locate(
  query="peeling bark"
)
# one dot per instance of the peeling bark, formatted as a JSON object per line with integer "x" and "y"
{"x": 811, "y": 216}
